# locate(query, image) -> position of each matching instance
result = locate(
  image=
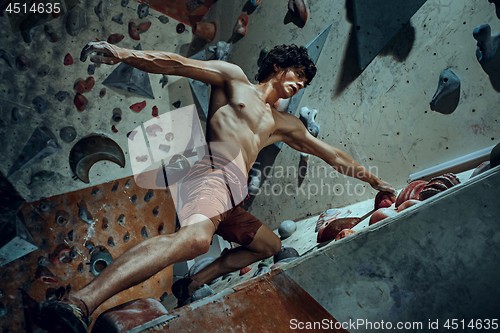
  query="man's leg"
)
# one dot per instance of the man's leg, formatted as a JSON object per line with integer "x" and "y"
{"x": 144, "y": 260}
{"x": 264, "y": 244}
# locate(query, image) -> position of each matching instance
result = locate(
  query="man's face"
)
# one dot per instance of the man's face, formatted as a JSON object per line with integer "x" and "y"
{"x": 291, "y": 80}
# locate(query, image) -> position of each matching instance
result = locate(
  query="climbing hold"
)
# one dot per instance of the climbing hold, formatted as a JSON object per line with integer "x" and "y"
{"x": 221, "y": 50}
{"x": 254, "y": 181}
{"x": 111, "y": 242}
{"x": 163, "y": 19}
{"x": 180, "y": 28}
{"x": 40, "y": 104}
{"x": 41, "y": 144}
{"x": 118, "y": 18}
{"x": 105, "y": 223}
{"x": 100, "y": 259}
{"x": 115, "y": 38}
{"x": 102, "y": 92}
{"x": 23, "y": 63}
{"x": 156, "y": 211}
{"x": 245, "y": 270}
{"x": 67, "y": 134}
{"x": 91, "y": 69}
{"x": 68, "y": 59}
{"x": 487, "y": 43}
{"x": 84, "y": 214}
{"x": 51, "y": 34}
{"x": 117, "y": 115}
{"x": 148, "y": 196}
{"x": 135, "y": 29}
{"x": 298, "y": 12}
{"x": 287, "y": 228}
{"x": 133, "y": 198}
{"x": 126, "y": 237}
{"x": 164, "y": 80}
{"x": 142, "y": 10}
{"x": 43, "y": 71}
{"x": 92, "y": 149}
{"x": 447, "y": 95}
{"x": 124, "y": 3}
{"x": 82, "y": 86}
{"x": 62, "y": 217}
{"x": 15, "y": 115}
{"x": 7, "y": 57}
{"x": 285, "y": 253}
{"x": 70, "y": 235}
{"x": 308, "y": 118}
{"x": 61, "y": 95}
{"x": 205, "y": 30}
{"x": 76, "y": 20}
{"x": 176, "y": 104}
{"x": 138, "y": 107}
{"x": 154, "y": 111}
{"x": 99, "y": 11}
{"x": 240, "y": 28}
{"x": 80, "y": 102}
{"x": 144, "y": 232}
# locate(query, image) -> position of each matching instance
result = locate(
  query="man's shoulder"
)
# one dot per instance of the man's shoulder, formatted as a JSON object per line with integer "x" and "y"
{"x": 232, "y": 71}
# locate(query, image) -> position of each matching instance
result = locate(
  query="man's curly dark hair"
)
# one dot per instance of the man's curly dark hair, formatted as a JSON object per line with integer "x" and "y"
{"x": 286, "y": 56}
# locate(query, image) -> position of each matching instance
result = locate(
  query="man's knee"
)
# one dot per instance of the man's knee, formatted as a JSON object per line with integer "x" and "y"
{"x": 273, "y": 248}
{"x": 200, "y": 243}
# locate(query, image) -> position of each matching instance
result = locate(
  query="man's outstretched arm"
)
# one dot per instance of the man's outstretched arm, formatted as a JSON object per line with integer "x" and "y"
{"x": 300, "y": 139}
{"x": 213, "y": 72}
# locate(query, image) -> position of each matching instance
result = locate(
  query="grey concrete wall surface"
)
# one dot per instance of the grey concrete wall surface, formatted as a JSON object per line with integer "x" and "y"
{"x": 438, "y": 261}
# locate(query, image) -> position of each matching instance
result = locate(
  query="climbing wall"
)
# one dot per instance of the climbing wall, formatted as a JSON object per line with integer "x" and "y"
{"x": 78, "y": 234}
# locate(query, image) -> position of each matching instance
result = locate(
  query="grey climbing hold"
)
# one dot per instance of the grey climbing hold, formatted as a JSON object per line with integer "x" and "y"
{"x": 447, "y": 95}
{"x": 287, "y": 228}
{"x": 43, "y": 71}
{"x": 41, "y": 144}
{"x": 163, "y": 19}
{"x": 100, "y": 259}
{"x": 40, "y": 104}
{"x": 76, "y": 21}
{"x": 285, "y": 253}
{"x": 202, "y": 292}
{"x": 67, "y": 134}
{"x": 91, "y": 69}
{"x": 308, "y": 118}
{"x": 99, "y": 11}
{"x": 124, "y": 3}
{"x": 92, "y": 149}
{"x": 118, "y": 18}
{"x": 221, "y": 50}
{"x": 16, "y": 115}
{"x": 200, "y": 265}
{"x": 487, "y": 43}
{"x": 164, "y": 80}
{"x": 84, "y": 214}
{"x": 255, "y": 179}
{"x": 61, "y": 95}
{"x": 142, "y": 10}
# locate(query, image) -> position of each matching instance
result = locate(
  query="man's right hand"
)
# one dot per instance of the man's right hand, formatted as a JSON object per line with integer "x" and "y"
{"x": 100, "y": 52}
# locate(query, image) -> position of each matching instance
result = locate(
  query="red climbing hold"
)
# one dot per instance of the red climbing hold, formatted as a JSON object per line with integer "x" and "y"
{"x": 136, "y": 29}
{"x": 114, "y": 129}
{"x": 82, "y": 86}
{"x": 115, "y": 38}
{"x": 80, "y": 102}
{"x": 154, "y": 113}
{"x": 68, "y": 59}
{"x": 137, "y": 107}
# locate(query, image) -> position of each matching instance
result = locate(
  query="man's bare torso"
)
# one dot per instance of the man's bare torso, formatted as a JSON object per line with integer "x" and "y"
{"x": 239, "y": 117}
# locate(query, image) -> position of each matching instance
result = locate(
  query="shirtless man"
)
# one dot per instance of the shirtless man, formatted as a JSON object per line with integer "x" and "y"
{"x": 242, "y": 120}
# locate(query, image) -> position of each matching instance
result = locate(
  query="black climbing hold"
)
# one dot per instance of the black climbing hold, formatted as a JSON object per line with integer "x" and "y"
{"x": 121, "y": 220}
{"x": 105, "y": 224}
{"x": 62, "y": 217}
{"x": 91, "y": 69}
{"x": 144, "y": 232}
{"x": 67, "y": 134}
{"x": 148, "y": 196}
{"x": 176, "y": 104}
{"x": 118, "y": 18}
{"x": 43, "y": 71}
{"x": 61, "y": 95}
{"x": 115, "y": 186}
{"x": 142, "y": 10}
{"x": 111, "y": 242}
{"x": 126, "y": 237}
{"x": 40, "y": 104}
{"x": 163, "y": 19}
